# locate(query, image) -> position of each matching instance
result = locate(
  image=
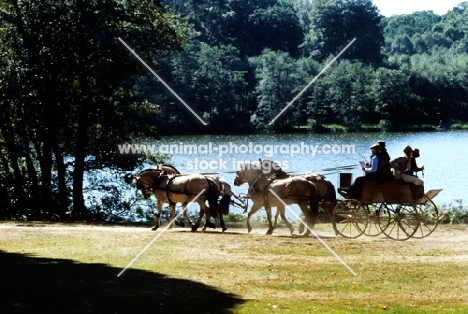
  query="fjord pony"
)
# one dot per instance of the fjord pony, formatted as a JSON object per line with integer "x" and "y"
{"x": 294, "y": 190}
{"x": 325, "y": 189}
{"x": 145, "y": 183}
{"x": 225, "y": 194}
{"x": 179, "y": 188}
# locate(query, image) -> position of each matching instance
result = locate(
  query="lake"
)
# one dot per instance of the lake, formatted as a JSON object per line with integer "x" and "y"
{"x": 442, "y": 154}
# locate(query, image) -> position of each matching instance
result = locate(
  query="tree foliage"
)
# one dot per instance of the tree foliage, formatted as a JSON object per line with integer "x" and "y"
{"x": 66, "y": 101}
{"x": 337, "y": 22}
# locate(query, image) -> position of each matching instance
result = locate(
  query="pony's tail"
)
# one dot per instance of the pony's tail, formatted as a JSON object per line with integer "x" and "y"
{"x": 330, "y": 197}
{"x": 313, "y": 202}
{"x": 213, "y": 192}
{"x": 224, "y": 204}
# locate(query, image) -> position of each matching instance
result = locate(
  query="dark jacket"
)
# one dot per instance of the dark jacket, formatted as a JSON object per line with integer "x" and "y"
{"x": 414, "y": 167}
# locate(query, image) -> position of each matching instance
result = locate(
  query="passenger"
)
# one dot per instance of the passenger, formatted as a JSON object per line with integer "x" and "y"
{"x": 384, "y": 160}
{"x": 372, "y": 173}
{"x": 383, "y": 151}
{"x": 402, "y": 165}
{"x": 414, "y": 166}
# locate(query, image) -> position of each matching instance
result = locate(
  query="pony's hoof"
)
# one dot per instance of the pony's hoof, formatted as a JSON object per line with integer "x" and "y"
{"x": 210, "y": 225}
{"x": 301, "y": 228}
{"x": 224, "y": 229}
{"x": 292, "y": 230}
{"x": 249, "y": 229}
{"x": 154, "y": 228}
{"x": 269, "y": 231}
{"x": 194, "y": 228}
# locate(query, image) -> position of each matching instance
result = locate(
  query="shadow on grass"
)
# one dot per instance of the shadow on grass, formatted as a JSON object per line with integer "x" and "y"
{"x": 44, "y": 285}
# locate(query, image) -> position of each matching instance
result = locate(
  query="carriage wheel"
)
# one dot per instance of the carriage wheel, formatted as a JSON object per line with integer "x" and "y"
{"x": 373, "y": 228}
{"x": 398, "y": 219}
{"x": 428, "y": 219}
{"x": 349, "y": 218}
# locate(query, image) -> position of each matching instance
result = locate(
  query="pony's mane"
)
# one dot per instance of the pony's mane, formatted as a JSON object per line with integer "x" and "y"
{"x": 149, "y": 170}
{"x": 248, "y": 166}
{"x": 169, "y": 166}
{"x": 159, "y": 169}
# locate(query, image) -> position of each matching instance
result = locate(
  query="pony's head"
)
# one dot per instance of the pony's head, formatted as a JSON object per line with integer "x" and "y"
{"x": 146, "y": 181}
{"x": 142, "y": 186}
{"x": 246, "y": 172}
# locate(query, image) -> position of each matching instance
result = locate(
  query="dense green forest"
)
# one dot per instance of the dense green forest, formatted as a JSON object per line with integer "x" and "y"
{"x": 246, "y": 60}
{"x": 70, "y": 91}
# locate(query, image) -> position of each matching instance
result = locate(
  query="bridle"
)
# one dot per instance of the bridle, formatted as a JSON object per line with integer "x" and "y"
{"x": 252, "y": 186}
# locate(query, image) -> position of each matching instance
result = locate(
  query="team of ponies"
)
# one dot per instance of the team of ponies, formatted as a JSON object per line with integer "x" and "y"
{"x": 170, "y": 187}
{"x": 268, "y": 186}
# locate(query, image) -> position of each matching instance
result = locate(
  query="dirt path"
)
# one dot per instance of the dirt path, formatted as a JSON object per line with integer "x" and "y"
{"x": 446, "y": 242}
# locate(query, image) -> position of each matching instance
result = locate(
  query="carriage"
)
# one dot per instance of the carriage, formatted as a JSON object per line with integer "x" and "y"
{"x": 385, "y": 207}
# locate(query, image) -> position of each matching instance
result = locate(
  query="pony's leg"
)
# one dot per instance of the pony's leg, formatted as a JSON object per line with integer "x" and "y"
{"x": 281, "y": 210}
{"x": 157, "y": 224}
{"x": 308, "y": 218}
{"x": 172, "y": 212}
{"x": 221, "y": 221}
{"x": 206, "y": 210}
{"x": 253, "y": 210}
{"x": 184, "y": 208}
{"x": 177, "y": 222}
{"x": 270, "y": 222}
{"x": 276, "y": 217}
{"x": 196, "y": 225}
{"x": 301, "y": 227}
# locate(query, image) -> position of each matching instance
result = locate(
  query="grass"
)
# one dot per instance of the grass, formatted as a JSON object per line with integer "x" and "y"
{"x": 338, "y": 128}
{"x": 74, "y": 267}
{"x": 459, "y": 126}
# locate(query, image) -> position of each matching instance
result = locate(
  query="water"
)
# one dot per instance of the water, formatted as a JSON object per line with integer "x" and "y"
{"x": 442, "y": 154}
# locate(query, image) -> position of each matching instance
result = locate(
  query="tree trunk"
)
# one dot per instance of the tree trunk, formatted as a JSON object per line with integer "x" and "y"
{"x": 62, "y": 184}
{"x": 79, "y": 208}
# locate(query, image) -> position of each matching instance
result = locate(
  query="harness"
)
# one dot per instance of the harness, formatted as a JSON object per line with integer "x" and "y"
{"x": 171, "y": 178}
{"x": 264, "y": 191}
{"x": 255, "y": 181}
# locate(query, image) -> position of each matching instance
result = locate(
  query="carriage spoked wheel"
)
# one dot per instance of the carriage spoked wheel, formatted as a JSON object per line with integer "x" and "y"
{"x": 398, "y": 219}
{"x": 428, "y": 219}
{"x": 349, "y": 218}
{"x": 373, "y": 228}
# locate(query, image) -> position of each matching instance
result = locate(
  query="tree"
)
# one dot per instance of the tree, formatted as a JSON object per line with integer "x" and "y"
{"x": 337, "y": 22}
{"x": 72, "y": 95}
{"x": 393, "y": 98}
{"x": 402, "y": 45}
{"x": 342, "y": 96}
{"x": 214, "y": 79}
{"x": 278, "y": 78}
{"x": 275, "y": 27}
